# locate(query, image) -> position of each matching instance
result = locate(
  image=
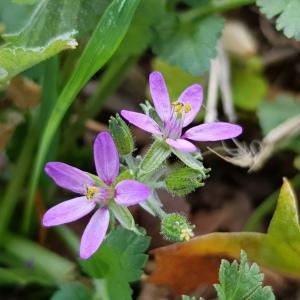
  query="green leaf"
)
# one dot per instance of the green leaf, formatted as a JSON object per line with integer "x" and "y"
{"x": 241, "y": 281}
{"x": 249, "y": 87}
{"x": 273, "y": 113}
{"x": 73, "y": 291}
{"x": 287, "y": 12}
{"x": 119, "y": 261}
{"x": 14, "y": 60}
{"x": 106, "y": 38}
{"x": 49, "y": 30}
{"x": 190, "y": 45}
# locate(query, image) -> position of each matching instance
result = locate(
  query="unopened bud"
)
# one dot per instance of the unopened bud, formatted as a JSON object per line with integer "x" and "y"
{"x": 185, "y": 180}
{"x": 121, "y": 135}
{"x": 176, "y": 228}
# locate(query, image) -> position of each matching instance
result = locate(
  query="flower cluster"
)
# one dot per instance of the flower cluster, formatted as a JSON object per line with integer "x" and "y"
{"x": 108, "y": 193}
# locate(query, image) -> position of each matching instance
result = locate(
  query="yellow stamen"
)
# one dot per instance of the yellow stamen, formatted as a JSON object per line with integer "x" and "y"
{"x": 187, "y": 107}
{"x": 90, "y": 192}
{"x": 186, "y": 234}
{"x": 182, "y": 107}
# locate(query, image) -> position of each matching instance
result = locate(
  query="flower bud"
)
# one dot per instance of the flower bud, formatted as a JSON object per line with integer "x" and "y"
{"x": 176, "y": 228}
{"x": 121, "y": 135}
{"x": 185, "y": 180}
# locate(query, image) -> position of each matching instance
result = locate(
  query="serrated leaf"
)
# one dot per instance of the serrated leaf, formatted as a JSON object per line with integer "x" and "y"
{"x": 287, "y": 12}
{"x": 190, "y": 45}
{"x": 119, "y": 261}
{"x": 273, "y": 113}
{"x": 241, "y": 281}
{"x": 73, "y": 291}
{"x": 277, "y": 250}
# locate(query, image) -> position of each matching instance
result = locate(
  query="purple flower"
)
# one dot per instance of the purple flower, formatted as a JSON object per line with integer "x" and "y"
{"x": 124, "y": 193}
{"x": 177, "y": 115}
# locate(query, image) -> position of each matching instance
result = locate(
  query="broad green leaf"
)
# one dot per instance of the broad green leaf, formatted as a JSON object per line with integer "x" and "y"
{"x": 273, "y": 113}
{"x": 49, "y": 30}
{"x": 241, "y": 281}
{"x": 177, "y": 80}
{"x": 119, "y": 261}
{"x": 249, "y": 86}
{"x": 73, "y": 291}
{"x": 106, "y": 38}
{"x": 278, "y": 250}
{"x": 287, "y": 13}
{"x": 14, "y": 60}
{"x": 190, "y": 45}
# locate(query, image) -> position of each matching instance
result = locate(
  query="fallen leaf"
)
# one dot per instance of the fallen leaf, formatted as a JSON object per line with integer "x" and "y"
{"x": 24, "y": 92}
{"x": 183, "y": 267}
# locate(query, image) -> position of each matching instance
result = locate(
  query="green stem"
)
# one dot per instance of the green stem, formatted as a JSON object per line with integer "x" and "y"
{"x": 13, "y": 191}
{"x": 214, "y": 6}
{"x": 266, "y": 207}
{"x": 156, "y": 208}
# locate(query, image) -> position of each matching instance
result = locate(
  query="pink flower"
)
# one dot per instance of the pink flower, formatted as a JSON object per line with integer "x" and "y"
{"x": 125, "y": 193}
{"x": 177, "y": 115}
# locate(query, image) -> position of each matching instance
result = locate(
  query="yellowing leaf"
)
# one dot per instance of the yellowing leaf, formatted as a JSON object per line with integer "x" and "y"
{"x": 185, "y": 266}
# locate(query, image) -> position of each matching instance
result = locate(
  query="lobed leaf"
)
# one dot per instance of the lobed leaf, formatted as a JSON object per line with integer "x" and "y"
{"x": 190, "y": 45}
{"x": 119, "y": 261}
{"x": 287, "y": 13}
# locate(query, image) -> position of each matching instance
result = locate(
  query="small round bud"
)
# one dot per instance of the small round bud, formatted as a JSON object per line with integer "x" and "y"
{"x": 176, "y": 228}
{"x": 121, "y": 135}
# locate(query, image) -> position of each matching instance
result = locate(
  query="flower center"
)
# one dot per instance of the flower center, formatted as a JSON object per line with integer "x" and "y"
{"x": 173, "y": 128}
{"x": 181, "y": 108}
{"x": 90, "y": 192}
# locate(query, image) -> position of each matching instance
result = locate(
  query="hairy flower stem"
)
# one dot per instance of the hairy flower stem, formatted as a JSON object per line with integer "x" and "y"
{"x": 156, "y": 208}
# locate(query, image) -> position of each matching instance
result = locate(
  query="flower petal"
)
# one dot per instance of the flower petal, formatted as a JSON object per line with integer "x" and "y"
{"x": 142, "y": 121}
{"x": 193, "y": 95}
{"x": 182, "y": 145}
{"x": 68, "y": 177}
{"x": 216, "y": 131}
{"x": 131, "y": 192}
{"x": 68, "y": 211}
{"x": 106, "y": 158}
{"x": 94, "y": 233}
{"x": 160, "y": 95}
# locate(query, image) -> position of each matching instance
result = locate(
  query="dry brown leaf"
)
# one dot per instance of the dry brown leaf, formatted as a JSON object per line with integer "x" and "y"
{"x": 24, "y": 92}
